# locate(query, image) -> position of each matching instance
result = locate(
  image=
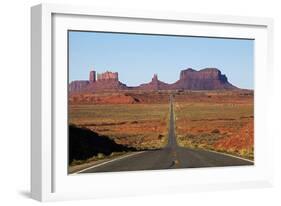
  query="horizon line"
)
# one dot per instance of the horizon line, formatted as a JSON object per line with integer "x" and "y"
{"x": 156, "y": 75}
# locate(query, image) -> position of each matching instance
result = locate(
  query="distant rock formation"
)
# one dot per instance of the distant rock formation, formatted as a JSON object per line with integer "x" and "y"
{"x": 108, "y": 76}
{"x": 205, "y": 79}
{"x": 190, "y": 79}
{"x": 97, "y": 82}
{"x": 79, "y": 85}
{"x": 155, "y": 84}
{"x": 92, "y": 77}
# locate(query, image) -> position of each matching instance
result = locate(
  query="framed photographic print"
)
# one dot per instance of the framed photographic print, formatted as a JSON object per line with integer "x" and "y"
{"x": 137, "y": 102}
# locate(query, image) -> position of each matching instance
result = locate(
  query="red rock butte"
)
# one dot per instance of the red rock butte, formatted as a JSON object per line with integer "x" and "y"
{"x": 108, "y": 76}
{"x": 190, "y": 79}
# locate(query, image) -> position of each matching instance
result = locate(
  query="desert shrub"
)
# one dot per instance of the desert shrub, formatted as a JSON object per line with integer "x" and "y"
{"x": 215, "y": 131}
{"x": 160, "y": 136}
{"x": 246, "y": 153}
{"x": 204, "y": 135}
{"x": 76, "y": 162}
{"x": 113, "y": 153}
{"x": 231, "y": 150}
{"x": 190, "y": 136}
{"x": 100, "y": 155}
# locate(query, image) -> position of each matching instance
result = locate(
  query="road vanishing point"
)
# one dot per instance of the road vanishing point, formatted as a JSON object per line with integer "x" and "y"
{"x": 172, "y": 156}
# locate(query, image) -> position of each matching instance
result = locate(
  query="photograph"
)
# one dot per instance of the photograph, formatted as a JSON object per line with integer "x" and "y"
{"x": 158, "y": 101}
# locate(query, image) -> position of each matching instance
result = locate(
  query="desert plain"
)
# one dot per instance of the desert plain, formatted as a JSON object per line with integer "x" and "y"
{"x": 139, "y": 120}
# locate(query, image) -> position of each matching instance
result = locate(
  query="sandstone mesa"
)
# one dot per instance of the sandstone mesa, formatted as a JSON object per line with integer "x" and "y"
{"x": 190, "y": 79}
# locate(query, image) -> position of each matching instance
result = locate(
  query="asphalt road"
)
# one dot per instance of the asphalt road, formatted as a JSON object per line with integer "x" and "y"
{"x": 172, "y": 156}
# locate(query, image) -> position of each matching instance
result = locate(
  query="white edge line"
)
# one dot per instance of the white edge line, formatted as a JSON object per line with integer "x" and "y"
{"x": 230, "y": 155}
{"x": 106, "y": 162}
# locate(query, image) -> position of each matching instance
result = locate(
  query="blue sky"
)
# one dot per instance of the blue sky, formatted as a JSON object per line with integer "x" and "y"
{"x": 137, "y": 57}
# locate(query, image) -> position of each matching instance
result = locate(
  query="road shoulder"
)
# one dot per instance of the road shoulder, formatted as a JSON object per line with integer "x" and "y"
{"x": 83, "y": 167}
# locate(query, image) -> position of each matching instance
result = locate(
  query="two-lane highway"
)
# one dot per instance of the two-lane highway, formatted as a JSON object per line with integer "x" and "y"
{"x": 172, "y": 156}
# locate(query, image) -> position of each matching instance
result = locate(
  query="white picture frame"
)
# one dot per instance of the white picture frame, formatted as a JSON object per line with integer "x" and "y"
{"x": 49, "y": 180}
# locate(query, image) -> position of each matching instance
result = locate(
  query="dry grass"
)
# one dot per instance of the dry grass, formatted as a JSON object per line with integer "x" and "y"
{"x": 142, "y": 126}
{"x": 220, "y": 126}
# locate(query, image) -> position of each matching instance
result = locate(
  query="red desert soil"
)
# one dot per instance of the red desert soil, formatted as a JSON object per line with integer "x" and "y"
{"x": 99, "y": 99}
{"x": 151, "y": 97}
{"x": 219, "y": 120}
{"x": 242, "y": 140}
{"x": 142, "y": 126}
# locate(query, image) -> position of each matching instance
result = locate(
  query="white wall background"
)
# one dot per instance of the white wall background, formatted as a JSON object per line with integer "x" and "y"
{"x": 15, "y": 101}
